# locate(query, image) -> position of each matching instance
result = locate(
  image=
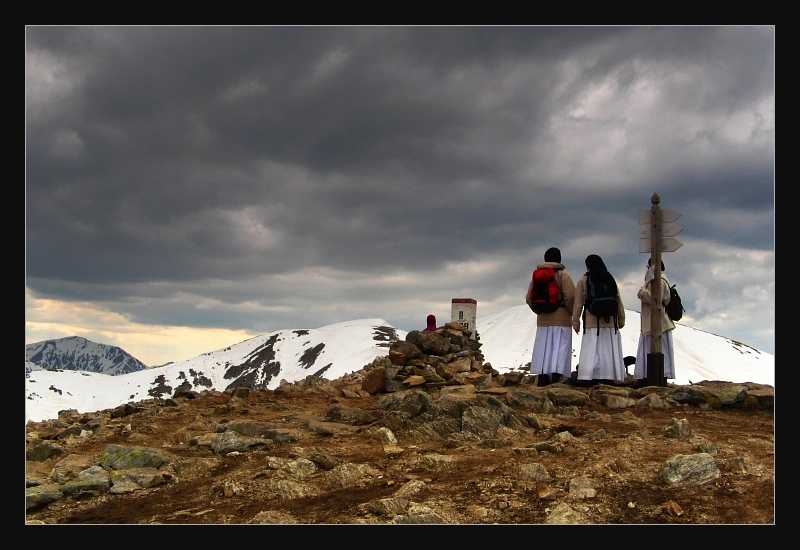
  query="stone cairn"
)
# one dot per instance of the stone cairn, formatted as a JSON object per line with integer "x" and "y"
{"x": 430, "y": 360}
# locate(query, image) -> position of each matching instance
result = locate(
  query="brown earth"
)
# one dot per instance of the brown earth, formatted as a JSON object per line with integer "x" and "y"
{"x": 480, "y": 486}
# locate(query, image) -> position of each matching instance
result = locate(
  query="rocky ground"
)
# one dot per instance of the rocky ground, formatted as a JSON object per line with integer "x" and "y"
{"x": 336, "y": 454}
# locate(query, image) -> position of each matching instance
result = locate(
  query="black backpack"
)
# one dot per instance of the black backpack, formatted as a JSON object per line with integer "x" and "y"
{"x": 601, "y": 298}
{"x": 544, "y": 292}
{"x": 675, "y": 307}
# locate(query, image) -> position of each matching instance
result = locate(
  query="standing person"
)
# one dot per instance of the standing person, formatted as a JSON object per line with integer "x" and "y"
{"x": 552, "y": 348}
{"x": 646, "y": 337}
{"x": 601, "y": 359}
{"x": 431, "y": 320}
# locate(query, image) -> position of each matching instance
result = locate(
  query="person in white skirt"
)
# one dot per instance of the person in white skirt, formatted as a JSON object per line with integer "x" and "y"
{"x": 646, "y": 337}
{"x": 552, "y": 347}
{"x": 601, "y": 360}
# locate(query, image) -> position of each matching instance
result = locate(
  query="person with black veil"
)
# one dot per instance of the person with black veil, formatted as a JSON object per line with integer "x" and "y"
{"x": 601, "y": 359}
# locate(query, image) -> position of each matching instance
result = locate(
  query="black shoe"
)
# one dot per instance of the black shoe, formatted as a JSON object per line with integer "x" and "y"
{"x": 544, "y": 380}
{"x": 556, "y": 378}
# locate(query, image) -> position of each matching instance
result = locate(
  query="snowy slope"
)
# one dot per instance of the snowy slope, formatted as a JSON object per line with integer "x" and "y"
{"x": 338, "y": 349}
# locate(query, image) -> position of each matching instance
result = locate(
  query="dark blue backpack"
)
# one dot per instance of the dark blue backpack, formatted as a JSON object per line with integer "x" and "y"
{"x": 601, "y": 298}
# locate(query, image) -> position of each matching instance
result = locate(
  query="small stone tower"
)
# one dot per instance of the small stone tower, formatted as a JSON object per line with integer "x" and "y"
{"x": 463, "y": 311}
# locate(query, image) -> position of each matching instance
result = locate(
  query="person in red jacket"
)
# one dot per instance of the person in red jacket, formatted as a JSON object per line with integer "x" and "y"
{"x": 431, "y": 320}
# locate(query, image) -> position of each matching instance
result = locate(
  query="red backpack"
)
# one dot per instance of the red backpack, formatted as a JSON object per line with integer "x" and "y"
{"x": 544, "y": 291}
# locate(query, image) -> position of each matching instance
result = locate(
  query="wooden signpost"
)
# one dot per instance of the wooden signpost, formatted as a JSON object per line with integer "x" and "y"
{"x": 657, "y": 232}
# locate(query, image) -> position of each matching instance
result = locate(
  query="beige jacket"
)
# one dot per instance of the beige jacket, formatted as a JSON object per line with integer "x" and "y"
{"x": 562, "y": 317}
{"x": 591, "y": 321}
{"x": 646, "y": 297}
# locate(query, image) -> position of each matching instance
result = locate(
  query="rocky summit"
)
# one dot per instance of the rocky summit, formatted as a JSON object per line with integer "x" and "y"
{"x": 429, "y": 434}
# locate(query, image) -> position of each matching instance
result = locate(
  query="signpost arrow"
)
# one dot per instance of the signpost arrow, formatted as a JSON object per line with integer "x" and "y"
{"x": 667, "y": 230}
{"x": 669, "y": 244}
{"x": 669, "y": 215}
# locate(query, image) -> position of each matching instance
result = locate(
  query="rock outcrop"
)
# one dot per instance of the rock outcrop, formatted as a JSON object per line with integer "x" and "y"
{"x": 428, "y": 434}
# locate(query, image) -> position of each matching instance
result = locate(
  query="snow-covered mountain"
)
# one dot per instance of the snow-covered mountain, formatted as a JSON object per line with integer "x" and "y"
{"x": 335, "y": 350}
{"x": 76, "y": 353}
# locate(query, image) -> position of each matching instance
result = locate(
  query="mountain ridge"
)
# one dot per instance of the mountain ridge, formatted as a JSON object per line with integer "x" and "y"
{"x": 335, "y": 350}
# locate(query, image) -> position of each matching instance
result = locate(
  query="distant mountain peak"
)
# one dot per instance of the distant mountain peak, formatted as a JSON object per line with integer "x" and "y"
{"x": 77, "y": 353}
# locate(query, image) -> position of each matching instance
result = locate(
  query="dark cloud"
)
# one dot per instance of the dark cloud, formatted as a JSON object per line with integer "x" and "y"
{"x": 189, "y": 175}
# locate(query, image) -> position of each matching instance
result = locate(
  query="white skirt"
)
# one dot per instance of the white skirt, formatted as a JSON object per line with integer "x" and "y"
{"x": 667, "y": 350}
{"x": 552, "y": 351}
{"x": 601, "y": 355}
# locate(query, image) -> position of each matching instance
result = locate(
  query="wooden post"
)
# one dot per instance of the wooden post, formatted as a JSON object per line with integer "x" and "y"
{"x": 655, "y": 369}
{"x": 655, "y": 359}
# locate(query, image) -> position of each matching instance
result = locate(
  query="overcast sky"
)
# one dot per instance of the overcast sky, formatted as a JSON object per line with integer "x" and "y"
{"x": 190, "y": 187}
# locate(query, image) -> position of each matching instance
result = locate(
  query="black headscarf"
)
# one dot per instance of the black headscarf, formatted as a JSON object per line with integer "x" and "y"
{"x": 596, "y": 266}
{"x": 595, "y": 263}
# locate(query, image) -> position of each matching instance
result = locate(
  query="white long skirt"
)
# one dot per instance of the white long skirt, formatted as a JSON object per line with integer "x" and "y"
{"x": 601, "y": 355}
{"x": 552, "y": 351}
{"x": 667, "y": 350}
